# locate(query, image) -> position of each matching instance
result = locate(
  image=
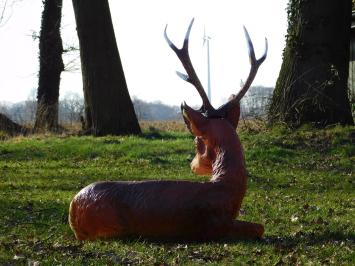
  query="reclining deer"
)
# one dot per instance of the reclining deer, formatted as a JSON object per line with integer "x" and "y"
{"x": 179, "y": 209}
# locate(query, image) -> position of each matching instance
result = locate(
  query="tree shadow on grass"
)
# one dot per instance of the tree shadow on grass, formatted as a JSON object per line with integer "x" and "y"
{"x": 309, "y": 239}
{"x": 156, "y": 134}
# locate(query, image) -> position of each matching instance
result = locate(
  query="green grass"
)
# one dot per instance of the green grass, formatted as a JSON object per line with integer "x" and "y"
{"x": 301, "y": 186}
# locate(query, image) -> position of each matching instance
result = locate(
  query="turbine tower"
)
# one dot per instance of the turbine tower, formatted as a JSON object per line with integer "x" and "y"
{"x": 206, "y": 39}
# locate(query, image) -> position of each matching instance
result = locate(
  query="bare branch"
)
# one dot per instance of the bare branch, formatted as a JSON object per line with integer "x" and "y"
{"x": 6, "y": 8}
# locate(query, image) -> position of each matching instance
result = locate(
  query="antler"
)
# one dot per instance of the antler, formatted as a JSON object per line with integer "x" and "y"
{"x": 255, "y": 64}
{"x": 191, "y": 77}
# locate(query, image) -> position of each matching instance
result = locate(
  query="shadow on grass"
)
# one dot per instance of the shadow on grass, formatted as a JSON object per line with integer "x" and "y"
{"x": 309, "y": 239}
{"x": 155, "y": 134}
{"x": 43, "y": 187}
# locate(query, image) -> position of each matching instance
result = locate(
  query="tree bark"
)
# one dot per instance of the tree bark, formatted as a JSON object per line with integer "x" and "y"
{"x": 108, "y": 106}
{"x": 51, "y": 66}
{"x": 312, "y": 84}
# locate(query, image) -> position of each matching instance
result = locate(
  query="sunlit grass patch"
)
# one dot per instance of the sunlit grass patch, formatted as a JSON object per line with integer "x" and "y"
{"x": 301, "y": 186}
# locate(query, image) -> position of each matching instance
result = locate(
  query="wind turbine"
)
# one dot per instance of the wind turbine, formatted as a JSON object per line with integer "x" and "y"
{"x": 206, "y": 39}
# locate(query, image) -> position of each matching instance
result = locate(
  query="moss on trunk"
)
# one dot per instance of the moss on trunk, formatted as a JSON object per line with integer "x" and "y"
{"x": 312, "y": 84}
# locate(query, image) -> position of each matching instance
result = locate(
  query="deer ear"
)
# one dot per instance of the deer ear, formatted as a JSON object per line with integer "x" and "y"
{"x": 194, "y": 120}
{"x": 233, "y": 114}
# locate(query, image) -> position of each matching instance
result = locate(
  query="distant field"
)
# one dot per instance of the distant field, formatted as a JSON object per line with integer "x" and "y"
{"x": 301, "y": 186}
{"x": 174, "y": 125}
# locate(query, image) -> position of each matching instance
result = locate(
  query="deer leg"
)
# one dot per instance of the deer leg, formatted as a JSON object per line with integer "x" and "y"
{"x": 246, "y": 230}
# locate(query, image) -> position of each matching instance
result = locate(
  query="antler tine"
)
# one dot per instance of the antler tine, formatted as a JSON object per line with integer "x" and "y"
{"x": 255, "y": 64}
{"x": 191, "y": 77}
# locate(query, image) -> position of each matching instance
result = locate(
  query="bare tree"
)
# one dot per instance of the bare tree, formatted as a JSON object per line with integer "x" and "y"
{"x": 108, "y": 106}
{"x": 51, "y": 66}
{"x": 30, "y": 107}
{"x": 71, "y": 108}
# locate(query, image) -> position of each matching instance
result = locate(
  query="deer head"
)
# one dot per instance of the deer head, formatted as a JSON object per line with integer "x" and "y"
{"x": 197, "y": 121}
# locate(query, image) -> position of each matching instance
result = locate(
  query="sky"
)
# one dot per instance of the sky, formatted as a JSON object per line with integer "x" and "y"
{"x": 148, "y": 62}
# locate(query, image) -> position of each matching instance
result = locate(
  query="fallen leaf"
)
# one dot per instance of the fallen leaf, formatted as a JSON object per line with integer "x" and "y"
{"x": 19, "y": 257}
{"x": 294, "y": 218}
{"x": 33, "y": 263}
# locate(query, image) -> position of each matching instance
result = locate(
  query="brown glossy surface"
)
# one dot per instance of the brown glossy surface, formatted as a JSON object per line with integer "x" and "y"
{"x": 174, "y": 209}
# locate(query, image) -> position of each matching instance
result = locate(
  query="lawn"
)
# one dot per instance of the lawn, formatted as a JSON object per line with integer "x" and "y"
{"x": 301, "y": 187}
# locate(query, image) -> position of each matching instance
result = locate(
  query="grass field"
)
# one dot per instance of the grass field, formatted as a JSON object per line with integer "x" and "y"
{"x": 301, "y": 186}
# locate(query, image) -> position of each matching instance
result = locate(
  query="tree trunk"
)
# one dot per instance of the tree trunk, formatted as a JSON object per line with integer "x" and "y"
{"x": 108, "y": 106}
{"x": 312, "y": 84}
{"x": 10, "y": 127}
{"x": 51, "y": 66}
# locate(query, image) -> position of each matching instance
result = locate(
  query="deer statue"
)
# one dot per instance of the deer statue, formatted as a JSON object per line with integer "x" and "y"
{"x": 179, "y": 209}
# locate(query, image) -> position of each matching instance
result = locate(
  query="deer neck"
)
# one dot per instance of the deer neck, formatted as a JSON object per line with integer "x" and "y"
{"x": 229, "y": 165}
